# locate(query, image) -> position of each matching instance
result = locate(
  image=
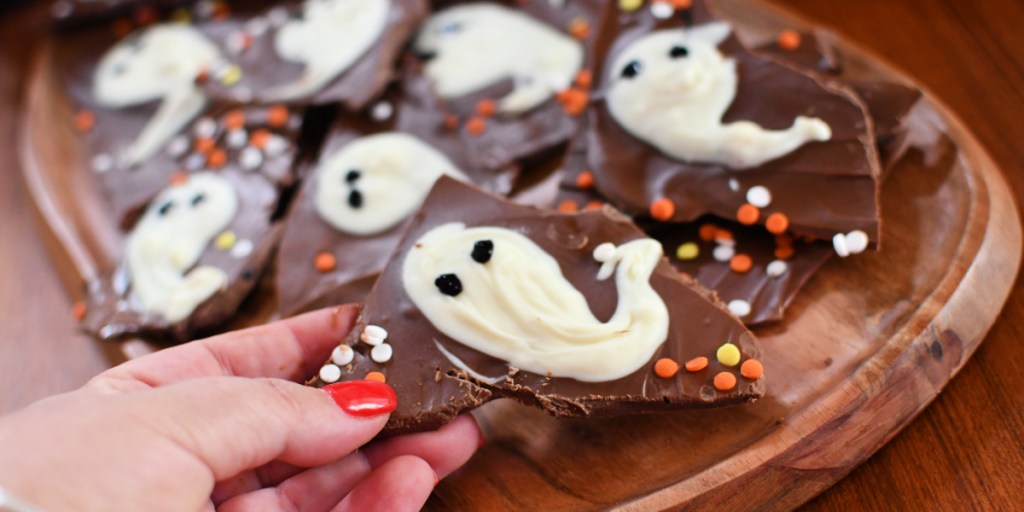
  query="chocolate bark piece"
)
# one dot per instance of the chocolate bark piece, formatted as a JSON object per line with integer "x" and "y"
{"x": 232, "y": 247}
{"x": 74, "y": 13}
{"x": 262, "y": 70}
{"x": 822, "y": 188}
{"x": 436, "y": 377}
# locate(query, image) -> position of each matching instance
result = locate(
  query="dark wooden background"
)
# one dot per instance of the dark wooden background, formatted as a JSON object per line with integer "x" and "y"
{"x": 964, "y": 452}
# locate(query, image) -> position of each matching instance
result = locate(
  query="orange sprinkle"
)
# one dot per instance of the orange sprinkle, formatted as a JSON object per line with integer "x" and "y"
{"x": 260, "y": 138}
{"x": 451, "y": 121}
{"x": 696, "y": 364}
{"x": 741, "y": 263}
{"x": 783, "y": 240}
{"x": 681, "y": 4}
{"x": 789, "y": 40}
{"x": 217, "y": 158}
{"x": 568, "y": 206}
{"x": 747, "y": 214}
{"x": 725, "y": 381}
{"x": 78, "y": 311}
{"x": 204, "y": 145}
{"x": 574, "y": 101}
{"x": 584, "y": 78}
{"x": 178, "y": 178}
{"x": 376, "y": 376}
{"x": 122, "y": 27}
{"x": 202, "y": 76}
{"x": 486, "y": 107}
{"x": 722, "y": 234}
{"x": 234, "y": 120}
{"x": 476, "y": 126}
{"x": 579, "y": 28}
{"x": 663, "y": 209}
{"x": 324, "y": 262}
{"x": 666, "y": 368}
{"x": 593, "y": 205}
{"x": 84, "y": 120}
{"x": 277, "y": 116}
{"x": 707, "y": 232}
{"x": 776, "y": 223}
{"x": 784, "y": 252}
{"x": 585, "y": 179}
{"x": 752, "y": 369}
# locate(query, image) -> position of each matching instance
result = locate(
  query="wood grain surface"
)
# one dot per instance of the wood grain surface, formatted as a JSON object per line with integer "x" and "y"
{"x": 952, "y": 457}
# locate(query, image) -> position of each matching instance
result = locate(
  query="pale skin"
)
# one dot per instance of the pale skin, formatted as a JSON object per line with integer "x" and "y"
{"x": 223, "y": 424}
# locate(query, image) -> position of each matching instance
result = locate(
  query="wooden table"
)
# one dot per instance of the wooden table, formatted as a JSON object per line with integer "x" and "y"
{"x": 965, "y": 450}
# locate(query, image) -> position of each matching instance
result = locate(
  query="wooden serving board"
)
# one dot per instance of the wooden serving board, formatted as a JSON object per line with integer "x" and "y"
{"x": 868, "y": 344}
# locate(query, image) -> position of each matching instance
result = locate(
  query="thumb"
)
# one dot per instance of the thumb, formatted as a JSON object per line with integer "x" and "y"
{"x": 233, "y": 424}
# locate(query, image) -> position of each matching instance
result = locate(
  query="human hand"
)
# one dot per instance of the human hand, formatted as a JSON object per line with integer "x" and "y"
{"x": 222, "y": 424}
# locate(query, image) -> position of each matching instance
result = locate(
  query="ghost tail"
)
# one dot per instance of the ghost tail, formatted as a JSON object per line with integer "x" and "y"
{"x": 745, "y": 144}
{"x": 308, "y": 84}
{"x": 176, "y": 110}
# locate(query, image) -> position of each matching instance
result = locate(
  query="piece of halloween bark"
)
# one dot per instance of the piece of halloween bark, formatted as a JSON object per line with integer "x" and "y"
{"x": 577, "y": 314}
{"x": 321, "y": 51}
{"x": 687, "y": 121}
{"x": 189, "y": 261}
{"x": 74, "y": 13}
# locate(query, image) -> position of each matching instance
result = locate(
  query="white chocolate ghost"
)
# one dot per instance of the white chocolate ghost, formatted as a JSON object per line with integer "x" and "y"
{"x": 375, "y": 182}
{"x": 670, "y": 88}
{"x": 169, "y": 239}
{"x": 328, "y": 37}
{"x": 160, "y": 63}
{"x": 496, "y": 291}
{"x": 475, "y": 45}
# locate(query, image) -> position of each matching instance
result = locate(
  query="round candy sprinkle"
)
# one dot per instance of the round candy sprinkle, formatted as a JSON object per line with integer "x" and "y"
{"x": 663, "y": 209}
{"x": 217, "y": 158}
{"x": 662, "y": 10}
{"x": 839, "y": 244}
{"x": 178, "y": 146}
{"x": 734, "y": 185}
{"x": 278, "y": 16}
{"x": 102, "y": 163}
{"x": 486, "y": 107}
{"x": 728, "y": 354}
{"x": 777, "y": 223}
{"x": 707, "y": 232}
{"x": 856, "y": 241}
{"x": 752, "y": 369}
{"x": 696, "y": 364}
{"x": 376, "y": 331}
{"x": 741, "y": 263}
{"x": 275, "y": 146}
{"x": 784, "y": 252}
{"x": 723, "y": 253}
{"x": 205, "y": 145}
{"x": 382, "y": 111}
{"x": 630, "y": 5}
{"x": 79, "y": 310}
{"x": 242, "y": 249}
{"x": 747, "y": 214}
{"x": 568, "y": 206}
{"x": 476, "y": 126}
{"x": 584, "y": 78}
{"x": 789, "y": 40}
{"x": 376, "y": 376}
{"x": 250, "y": 158}
{"x": 257, "y": 26}
{"x": 724, "y": 236}
{"x": 688, "y": 251}
{"x": 324, "y": 262}
{"x": 225, "y": 240}
{"x": 739, "y": 307}
{"x": 759, "y": 196}
{"x": 381, "y": 353}
{"x": 330, "y": 373}
{"x": 342, "y": 355}
{"x": 604, "y": 252}
{"x": 277, "y": 116}
{"x": 237, "y": 138}
{"x": 776, "y": 268}
{"x": 585, "y": 180}
{"x": 195, "y": 161}
{"x": 725, "y": 381}
{"x": 593, "y": 205}
{"x": 84, "y": 120}
{"x": 666, "y": 368}
{"x": 205, "y": 128}
{"x": 579, "y": 28}
{"x": 260, "y": 138}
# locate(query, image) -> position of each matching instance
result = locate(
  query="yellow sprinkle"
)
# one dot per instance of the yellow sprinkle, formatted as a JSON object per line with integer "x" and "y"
{"x": 231, "y": 75}
{"x": 181, "y": 16}
{"x": 728, "y": 354}
{"x": 225, "y": 240}
{"x": 687, "y": 251}
{"x": 630, "y": 5}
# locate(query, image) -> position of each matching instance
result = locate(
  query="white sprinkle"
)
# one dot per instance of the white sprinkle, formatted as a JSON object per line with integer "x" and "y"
{"x": 178, "y": 146}
{"x": 839, "y": 243}
{"x": 250, "y": 158}
{"x": 856, "y": 241}
{"x": 237, "y": 138}
{"x": 759, "y": 196}
{"x": 195, "y": 161}
{"x": 662, "y": 10}
{"x": 740, "y": 308}
{"x": 376, "y": 331}
{"x": 278, "y": 16}
{"x": 734, "y": 185}
{"x": 330, "y": 373}
{"x": 204, "y": 9}
{"x": 257, "y": 26}
{"x": 237, "y": 42}
{"x": 102, "y": 163}
{"x": 342, "y": 355}
{"x": 276, "y": 146}
{"x": 776, "y": 268}
{"x": 723, "y": 253}
{"x": 205, "y": 128}
{"x": 243, "y": 94}
{"x": 604, "y": 252}
{"x": 242, "y": 249}
{"x": 381, "y": 353}
{"x": 382, "y": 111}
{"x": 726, "y": 241}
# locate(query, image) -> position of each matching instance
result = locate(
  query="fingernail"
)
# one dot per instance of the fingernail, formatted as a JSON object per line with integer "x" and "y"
{"x": 437, "y": 479}
{"x": 363, "y": 398}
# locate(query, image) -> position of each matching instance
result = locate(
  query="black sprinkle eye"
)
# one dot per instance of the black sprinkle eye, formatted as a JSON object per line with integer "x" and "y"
{"x": 448, "y": 284}
{"x": 352, "y": 175}
{"x": 165, "y": 208}
{"x": 632, "y": 69}
{"x": 482, "y": 251}
{"x": 355, "y": 199}
{"x": 678, "y": 52}
{"x": 198, "y": 199}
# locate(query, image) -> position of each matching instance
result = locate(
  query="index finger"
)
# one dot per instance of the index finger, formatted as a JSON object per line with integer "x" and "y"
{"x": 290, "y": 349}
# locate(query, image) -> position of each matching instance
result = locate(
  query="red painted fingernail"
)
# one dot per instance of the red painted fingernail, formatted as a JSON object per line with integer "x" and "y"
{"x": 363, "y": 398}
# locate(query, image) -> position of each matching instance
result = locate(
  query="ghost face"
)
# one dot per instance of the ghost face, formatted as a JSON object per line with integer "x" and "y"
{"x": 670, "y": 88}
{"x": 472, "y": 46}
{"x": 498, "y": 292}
{"x": 327, "y": 38}
{"x": 375, "y": 182}
{"x": 169, "y": 239}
